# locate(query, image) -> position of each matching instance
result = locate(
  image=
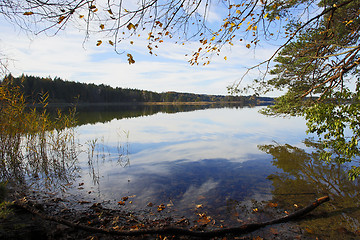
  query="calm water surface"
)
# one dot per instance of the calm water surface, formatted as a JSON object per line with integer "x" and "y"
{"x": 218, "y": 161}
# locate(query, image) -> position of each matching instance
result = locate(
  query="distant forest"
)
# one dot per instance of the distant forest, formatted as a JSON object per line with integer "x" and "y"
{"x": 37, "y": 89}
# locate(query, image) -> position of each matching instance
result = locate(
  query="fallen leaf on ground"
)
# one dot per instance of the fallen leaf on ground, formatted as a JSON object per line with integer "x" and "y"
{"x": 161, "y": 207}
{"x": 125, "y": 198}
{"x": 272, "y": 204}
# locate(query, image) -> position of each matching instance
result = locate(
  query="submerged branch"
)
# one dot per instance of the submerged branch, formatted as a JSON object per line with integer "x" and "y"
{"x": 243, "y": 229}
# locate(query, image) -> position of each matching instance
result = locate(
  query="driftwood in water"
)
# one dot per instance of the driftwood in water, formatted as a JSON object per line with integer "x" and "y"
{"x": 243, "y": 229}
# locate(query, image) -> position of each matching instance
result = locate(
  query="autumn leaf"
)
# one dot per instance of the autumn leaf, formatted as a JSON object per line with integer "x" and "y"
{"x": 203, "y": 219}
{"x": 110, "y": 12}
{"x": 274, "y": 231}
{"x": 28, "y": 13}
{"x": 99, "y": 42}
{"x": 125, "y": 198}
{"x": 61, "y": 18}
{"x": 111, "y": 43}
{"x": 81, "y": 16}
{"x": 121, "y": 203}
{"x": 238, "y": 11}
{"x": 150, "y": 204}
{"x": 248, "y": 45}
{"x": 277, "y": 18}
{"x": 225, "y": 58}
{"x": 130, "y": 59}
{"x": 102, "y": 26}
{"x": 272, "y": 204}
{"x": 161, "y": 207}
{"x": 92, "y": 7}
{"x": 117, "y": 228}
{"x": 130, "y": 26}
{"x": 212, "y": 39}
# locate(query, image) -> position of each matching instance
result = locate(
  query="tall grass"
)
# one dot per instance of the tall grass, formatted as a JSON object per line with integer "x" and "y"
{"x": 34, "y": 145}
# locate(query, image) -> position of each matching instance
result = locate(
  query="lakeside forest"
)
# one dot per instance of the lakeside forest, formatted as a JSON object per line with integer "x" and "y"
{"x": 58, "y": 91}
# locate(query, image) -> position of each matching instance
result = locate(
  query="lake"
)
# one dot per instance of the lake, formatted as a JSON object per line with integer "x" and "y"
{"x": 228, "y": 162}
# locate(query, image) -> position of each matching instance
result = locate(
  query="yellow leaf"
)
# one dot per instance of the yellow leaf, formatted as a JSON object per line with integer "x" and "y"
{"x": 28, "y": 13}
{"x": 130, "y": 26}
{"x": 212, "y": 39}
{"x": 99, "y": 42}
{"x": 348, "y": 22}
{"x": 102, "y": 26}
{"x": 225, "y": 58}
{"x": 277, "y": 18}
{"x": 161, "y": 207}
{"x": 254, "y": 28}
{"x": 249, "y": 27}
{"x": 248, "y": 45}
{"x": 238, "y": 11}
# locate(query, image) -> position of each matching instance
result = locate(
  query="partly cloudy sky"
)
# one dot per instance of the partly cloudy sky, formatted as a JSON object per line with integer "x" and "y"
{"x": 68, "y": 57}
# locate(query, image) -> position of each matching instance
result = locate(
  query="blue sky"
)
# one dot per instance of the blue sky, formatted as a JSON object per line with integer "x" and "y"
{"x": 67, "y": 56}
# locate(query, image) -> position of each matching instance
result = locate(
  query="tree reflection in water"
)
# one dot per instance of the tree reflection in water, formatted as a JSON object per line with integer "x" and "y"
{"x": 305, "y": 177}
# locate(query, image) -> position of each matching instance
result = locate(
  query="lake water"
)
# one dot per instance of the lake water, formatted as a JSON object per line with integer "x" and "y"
{"x": 225, "y": 162}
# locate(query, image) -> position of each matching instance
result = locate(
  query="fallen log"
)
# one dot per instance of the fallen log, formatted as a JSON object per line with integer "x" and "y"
{"x": 243, "y": 229}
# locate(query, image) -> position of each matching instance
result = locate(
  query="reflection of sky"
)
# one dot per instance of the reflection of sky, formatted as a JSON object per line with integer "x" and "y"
{"x": 213, "y": 133}
{"x": 189, "y": 157}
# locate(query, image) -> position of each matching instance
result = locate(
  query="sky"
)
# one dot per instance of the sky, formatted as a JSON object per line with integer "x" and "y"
{"x": 67, "y": 56}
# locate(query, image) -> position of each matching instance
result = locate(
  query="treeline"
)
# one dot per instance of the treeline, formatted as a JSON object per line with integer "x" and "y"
{"x": 38, "y": 89}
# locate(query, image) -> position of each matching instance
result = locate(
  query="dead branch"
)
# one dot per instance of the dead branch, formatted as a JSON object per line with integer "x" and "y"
{"x": 243, "y": 229}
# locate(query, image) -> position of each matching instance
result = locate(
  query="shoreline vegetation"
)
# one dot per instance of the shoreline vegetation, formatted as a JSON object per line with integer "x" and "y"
{"x": 100, "y": 104}
{"x": 59, "y": 93}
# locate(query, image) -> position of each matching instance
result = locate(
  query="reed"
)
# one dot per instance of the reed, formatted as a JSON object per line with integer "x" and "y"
{"x": 33, "y": 144}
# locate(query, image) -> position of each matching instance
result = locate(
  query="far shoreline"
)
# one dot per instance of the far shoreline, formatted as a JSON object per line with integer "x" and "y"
{"x": 99, "y": 104}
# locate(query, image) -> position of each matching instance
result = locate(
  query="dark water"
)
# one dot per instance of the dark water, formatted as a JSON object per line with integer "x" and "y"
{"x": 224, "y": 162}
